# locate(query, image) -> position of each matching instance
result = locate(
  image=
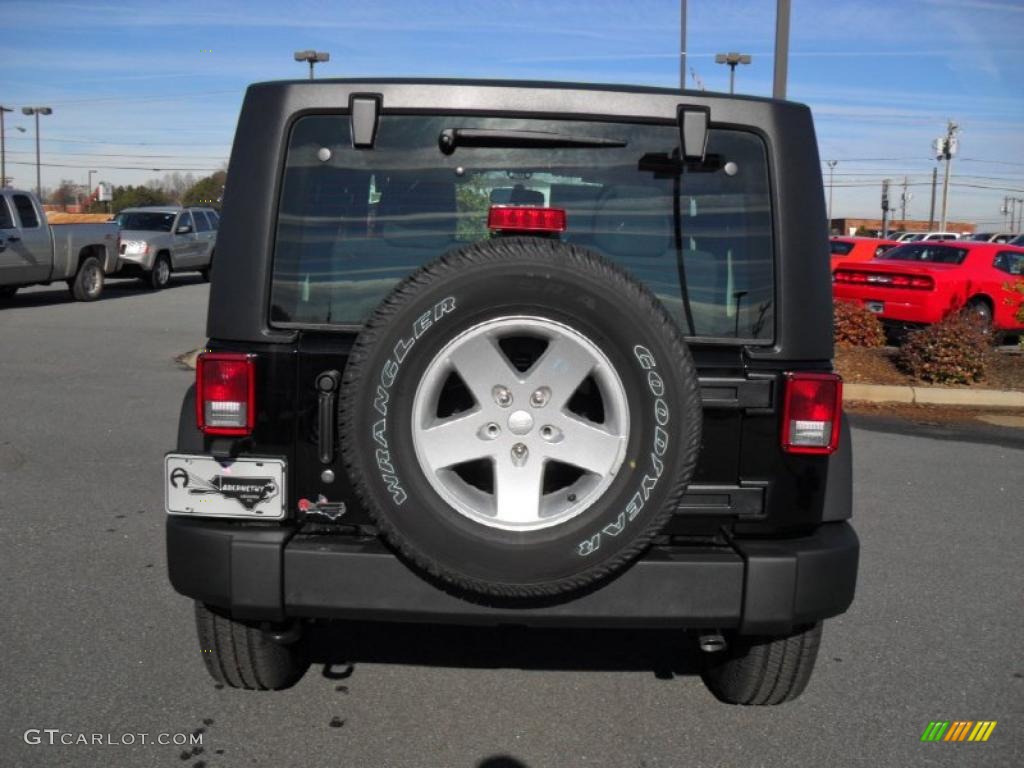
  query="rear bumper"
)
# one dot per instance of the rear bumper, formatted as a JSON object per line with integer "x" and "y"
{"x": 901, "y": 306}
{"x": 274, "y": 574}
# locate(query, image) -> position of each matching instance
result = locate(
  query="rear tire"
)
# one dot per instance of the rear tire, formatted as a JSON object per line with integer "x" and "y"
{"x": 763, "y": 670}
{"x": 242, "y": 655}
{"x": 980, "y": 310}
{"x": 88, "y": 282}
{"x": 8, "y": 291}
{"x": 160, "y": 276}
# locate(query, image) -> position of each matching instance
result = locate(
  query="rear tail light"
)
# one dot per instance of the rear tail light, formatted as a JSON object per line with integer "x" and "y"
{"x": 225, "y": 393}
{"x": 811, "y": 412}
{"x": 512, "y": 218}
{"x": 914, "y": 282}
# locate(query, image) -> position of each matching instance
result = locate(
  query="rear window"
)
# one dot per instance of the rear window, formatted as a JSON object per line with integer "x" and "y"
{"x": 352, "y": 223}
{"x": 926, "y": 251}
{"x": 840, "y": 248}
{"x": 26, "y": 212}
{"x": 146, "y": 221}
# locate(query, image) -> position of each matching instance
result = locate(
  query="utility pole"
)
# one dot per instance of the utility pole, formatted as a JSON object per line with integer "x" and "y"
{"x": 885, "y": 208}
{"x": 904, "y": 198}
{"x": 781, "y": 49}
{"x": 931, "y": 211}
{"x": 682, "y": 44}
{"x": 3, "y": 147}
{"x": 946, "y": 147}
{"x": 37, "y": 111}
{"x": 831, "y": 166}
{"x": 732, "y": 59}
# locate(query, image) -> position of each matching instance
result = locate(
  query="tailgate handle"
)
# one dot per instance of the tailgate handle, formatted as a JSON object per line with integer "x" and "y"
{"x": 327, "y": 394}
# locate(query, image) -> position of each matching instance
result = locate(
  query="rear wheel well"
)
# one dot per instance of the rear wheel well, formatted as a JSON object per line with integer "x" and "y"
{"x": 90, "y": 250}
{"x": 982, "y": 298}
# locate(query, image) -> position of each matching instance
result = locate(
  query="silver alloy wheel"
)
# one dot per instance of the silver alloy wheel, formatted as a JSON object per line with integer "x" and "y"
{"x": 163, "y": 271}
{"x": 520, "y": 424}
{"x": 91, "y": 283}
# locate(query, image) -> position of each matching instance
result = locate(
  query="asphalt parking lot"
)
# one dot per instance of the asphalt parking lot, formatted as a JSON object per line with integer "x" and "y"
{"x": 93, "y": 639}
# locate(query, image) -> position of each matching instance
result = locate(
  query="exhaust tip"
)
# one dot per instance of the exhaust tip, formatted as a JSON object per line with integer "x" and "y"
{"x": 712, "y": 643}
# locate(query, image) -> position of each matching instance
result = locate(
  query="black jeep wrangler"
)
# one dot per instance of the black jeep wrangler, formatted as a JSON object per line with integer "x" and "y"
{"x": 517, "y": 353}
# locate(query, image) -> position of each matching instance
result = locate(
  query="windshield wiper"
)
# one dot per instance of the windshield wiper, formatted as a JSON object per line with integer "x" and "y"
{"x": 451, "y": 138}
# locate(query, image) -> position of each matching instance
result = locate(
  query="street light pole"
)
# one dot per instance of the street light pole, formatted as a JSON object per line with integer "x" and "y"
{"x": 682, "y": 44}
{"x": 831, "y": 165}
{"x": 313, "y": 57}
{"x": 37, "y": 111}
{"x": 781, "y": 49}
{"x": 732, "y": 59}
{"x": 3, "y": 147}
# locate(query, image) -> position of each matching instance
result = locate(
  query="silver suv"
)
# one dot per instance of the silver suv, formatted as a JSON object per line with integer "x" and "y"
{"x": 158, "y": 240}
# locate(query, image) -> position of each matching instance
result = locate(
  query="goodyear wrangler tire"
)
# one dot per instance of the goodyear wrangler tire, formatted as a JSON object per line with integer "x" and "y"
{"x": 520, "y": 418}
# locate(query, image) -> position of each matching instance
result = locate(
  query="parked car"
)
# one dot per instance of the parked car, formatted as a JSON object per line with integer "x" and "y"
{"x": 32, "y": 252}
{"x": 989, "y": 237}
{"x": 914, "y": 237}
{"x": 920, "y": 283}
{"x": 159, "y": 240}
{"x": 858, "y": 248}
{"x": 484, "y": 357}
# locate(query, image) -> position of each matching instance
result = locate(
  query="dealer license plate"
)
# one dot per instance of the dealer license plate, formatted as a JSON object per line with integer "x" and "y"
{"x": 201, "y": 485}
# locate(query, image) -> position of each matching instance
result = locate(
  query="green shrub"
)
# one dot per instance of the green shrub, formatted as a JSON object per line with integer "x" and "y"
{"x": 856, "y": 326}
{"x": 954, "y": 351}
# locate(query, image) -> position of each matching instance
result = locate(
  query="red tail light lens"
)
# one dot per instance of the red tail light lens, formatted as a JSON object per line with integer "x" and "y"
{"x": 512, "y": 218}
{"x": 811, "y": 412}
{"x": 225, "y": 393}
{"x": 914, "y": 282}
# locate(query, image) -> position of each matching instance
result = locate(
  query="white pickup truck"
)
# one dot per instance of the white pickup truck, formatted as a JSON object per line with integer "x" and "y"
{"x": 33, "y": 252}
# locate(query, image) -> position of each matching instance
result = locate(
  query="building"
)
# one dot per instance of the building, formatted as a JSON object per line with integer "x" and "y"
{"x": 874, "y": 226}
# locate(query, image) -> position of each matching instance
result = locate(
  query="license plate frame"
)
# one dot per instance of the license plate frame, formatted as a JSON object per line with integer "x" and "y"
{"x": 252, "y": 487}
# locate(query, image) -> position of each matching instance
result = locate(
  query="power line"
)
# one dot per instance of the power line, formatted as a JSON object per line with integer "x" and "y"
{"x": 135, "y": 100}
{"x": 58, "y": 140}
{"x": 114, "y": 167}
{"x": 121, "y": 155}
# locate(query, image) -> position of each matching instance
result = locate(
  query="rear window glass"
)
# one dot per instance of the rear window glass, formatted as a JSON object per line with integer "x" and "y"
{"x": 926, "y": 251}
{"x": 26, "y": 212}
{"x": 146, "y": 221}
{"x": 839, "y": 248}
{"x": 352, "y": 223}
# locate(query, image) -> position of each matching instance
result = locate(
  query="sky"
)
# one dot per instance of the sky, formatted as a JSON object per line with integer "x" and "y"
{"x": 151, "y": 85}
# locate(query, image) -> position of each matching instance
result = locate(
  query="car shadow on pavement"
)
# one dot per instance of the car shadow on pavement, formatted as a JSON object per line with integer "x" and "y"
{"x": 341, "y": 646}
{"x": 123, "y": 288}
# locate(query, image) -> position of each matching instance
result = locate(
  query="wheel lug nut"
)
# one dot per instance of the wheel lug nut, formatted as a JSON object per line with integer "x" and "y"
{"x": 502, "y": 396}
{"x": 551, "y": 434}
{"x": 540, "y": 397}
{"x": 489, "y": 431}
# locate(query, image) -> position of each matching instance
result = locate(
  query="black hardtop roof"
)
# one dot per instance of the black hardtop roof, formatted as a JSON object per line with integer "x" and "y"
{"x": 558, "y": 85}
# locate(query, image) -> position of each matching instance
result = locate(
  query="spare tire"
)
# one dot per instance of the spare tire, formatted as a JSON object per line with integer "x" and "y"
{"x": 520, "y": 418}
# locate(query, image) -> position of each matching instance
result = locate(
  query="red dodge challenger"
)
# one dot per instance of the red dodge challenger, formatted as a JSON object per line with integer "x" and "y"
{"x": 858, "y": 248}
{"x": 920, "y": 283}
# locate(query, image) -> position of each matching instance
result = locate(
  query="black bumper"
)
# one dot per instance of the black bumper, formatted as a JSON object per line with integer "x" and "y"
{"x": 272, "y": 574}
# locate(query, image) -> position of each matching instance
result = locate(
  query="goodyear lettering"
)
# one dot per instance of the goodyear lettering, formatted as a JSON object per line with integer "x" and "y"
{"x": 636, "y": 503}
